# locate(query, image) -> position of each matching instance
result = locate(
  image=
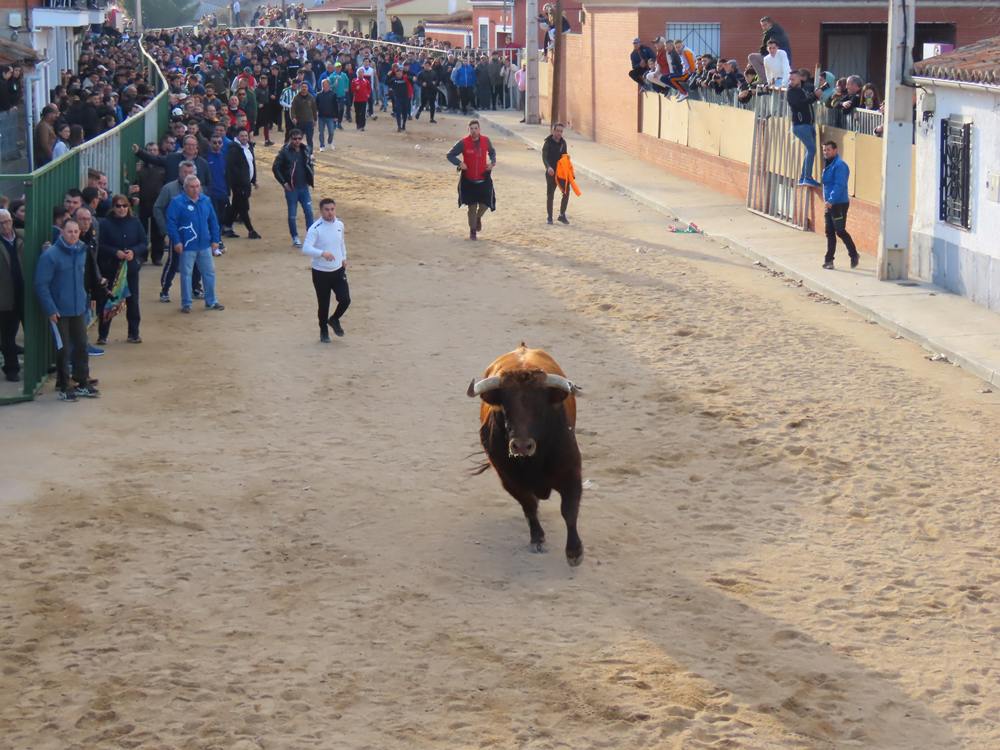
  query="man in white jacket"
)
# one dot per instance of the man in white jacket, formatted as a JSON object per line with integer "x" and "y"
{"x": 776, "y": 66}
{"x": 325, "y": 245}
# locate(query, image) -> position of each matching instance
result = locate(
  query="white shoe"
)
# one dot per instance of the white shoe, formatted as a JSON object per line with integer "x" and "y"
{"x": 296, "y": 242}
{"x": 682, "y": 97}
{"x": 218, "y": 251}
{"x": 321, "y": 148}
{"x": 331, "y": 147}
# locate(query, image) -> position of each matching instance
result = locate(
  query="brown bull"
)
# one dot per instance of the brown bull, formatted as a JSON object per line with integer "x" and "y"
{"x": 527, "y": 421}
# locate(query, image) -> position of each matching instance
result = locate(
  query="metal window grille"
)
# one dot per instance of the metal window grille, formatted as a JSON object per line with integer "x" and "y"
{"x": 700, "y": 38}
{"x": 956, "y": 177}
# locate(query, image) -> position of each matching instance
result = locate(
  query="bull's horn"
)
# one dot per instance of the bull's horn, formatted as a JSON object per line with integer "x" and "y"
{"x": 558, "y": 381}
{"x": 479, "y": 387}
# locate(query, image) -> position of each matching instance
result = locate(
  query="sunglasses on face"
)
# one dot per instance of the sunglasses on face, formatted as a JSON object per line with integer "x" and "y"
{"x": 121, "y": 205}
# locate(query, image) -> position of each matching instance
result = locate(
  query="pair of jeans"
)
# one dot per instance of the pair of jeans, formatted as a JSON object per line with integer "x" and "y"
{"x": 307, "y": 130}
{"x": 402, "y": 109}
{"x": 836, "y": 226}
{"x": 807, "y": 134}
{"x": 203, "y": 260}
{"x": 73, "y": 332}
{"x": 383, "y": 94}
{"x": 170, "y": 267}
{"x": 327, "y": 125}
{"x": 293, "y": 198}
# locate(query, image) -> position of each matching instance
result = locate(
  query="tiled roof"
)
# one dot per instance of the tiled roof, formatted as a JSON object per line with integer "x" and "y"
{"x": 974, "y": 63}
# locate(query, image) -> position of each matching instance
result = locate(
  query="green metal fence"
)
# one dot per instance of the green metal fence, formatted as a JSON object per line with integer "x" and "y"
{"x": 44, "y": 189}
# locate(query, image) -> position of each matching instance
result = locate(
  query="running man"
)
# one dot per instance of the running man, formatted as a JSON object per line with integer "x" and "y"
{"x": 475, "y": 186}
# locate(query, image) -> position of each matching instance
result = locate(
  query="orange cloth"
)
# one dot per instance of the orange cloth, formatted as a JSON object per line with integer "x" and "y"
{"x": 565, "y": 177}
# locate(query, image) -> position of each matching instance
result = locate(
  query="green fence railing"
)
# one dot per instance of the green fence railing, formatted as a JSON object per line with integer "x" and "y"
{"x": 45, "y": 188}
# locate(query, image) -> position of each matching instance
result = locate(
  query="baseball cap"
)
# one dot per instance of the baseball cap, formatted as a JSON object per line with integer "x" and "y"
{"x": 337, "y": 65}
{"x": 637, "y": 40}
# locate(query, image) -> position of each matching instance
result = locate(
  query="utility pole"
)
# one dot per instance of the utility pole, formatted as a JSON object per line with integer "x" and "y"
{"x": 138, "y": 16}
{"x": 558, "y": 69}
{"x": 531, "y": 115}
{"x": 380, "y": 19}
{"x": 897, "y": 144}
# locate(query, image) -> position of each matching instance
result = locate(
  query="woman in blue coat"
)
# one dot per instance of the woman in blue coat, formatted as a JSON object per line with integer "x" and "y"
{"x": 122, "y": 240}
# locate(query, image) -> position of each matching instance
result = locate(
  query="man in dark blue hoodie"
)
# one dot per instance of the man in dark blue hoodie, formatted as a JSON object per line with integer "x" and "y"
{"x": 59, "y": 287}
{"x": 836, "y": 198}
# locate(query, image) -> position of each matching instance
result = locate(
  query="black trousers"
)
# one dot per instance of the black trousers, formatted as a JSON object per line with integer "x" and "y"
{"x": 221, "y": 206}
{"x": 498, "y": 95}
{"x": 156, "y": 238}
{"x": 239, "y": 209}
{"x": 550, "y": 192}
{"x": 325, "y": 282}
{"x": 10, "y": 321}
{"x": 836, "y": 226}
{"x": 73, "y": 332}
{"x": 401, "y": 109}
{"x": 428, "y": 100}
{"x": 466, "y": 95}
{"x": 359, "y": 114}
{"x": 132, "y": 314}
{"x": 638, "y": 75}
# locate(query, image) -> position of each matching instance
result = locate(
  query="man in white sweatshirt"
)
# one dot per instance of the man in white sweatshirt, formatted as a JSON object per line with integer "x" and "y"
{"x": 776, "y": 66}
{"x": 325, "y": 245}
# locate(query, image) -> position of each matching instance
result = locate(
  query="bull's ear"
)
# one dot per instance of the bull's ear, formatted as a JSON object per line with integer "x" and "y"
{"x": 492, "y": 398}
{"x": 557, "y": 395}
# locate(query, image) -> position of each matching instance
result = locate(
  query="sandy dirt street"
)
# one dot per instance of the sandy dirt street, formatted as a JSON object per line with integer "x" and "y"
{"x": 257, "y": 541}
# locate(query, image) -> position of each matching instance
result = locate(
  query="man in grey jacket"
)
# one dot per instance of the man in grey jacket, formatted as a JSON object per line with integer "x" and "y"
{"x": 170, "y": 191}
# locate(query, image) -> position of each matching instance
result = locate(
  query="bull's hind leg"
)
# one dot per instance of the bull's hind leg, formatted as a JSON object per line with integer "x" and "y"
{"x": 529, "y": 503}
{"x": 570, "y": 495}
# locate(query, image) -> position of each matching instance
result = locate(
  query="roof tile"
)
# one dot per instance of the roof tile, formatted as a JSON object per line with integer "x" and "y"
{"x": 974, "y": 63}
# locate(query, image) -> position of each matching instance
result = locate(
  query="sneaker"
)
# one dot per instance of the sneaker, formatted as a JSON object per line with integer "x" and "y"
{"x": 562, "y": 219}
{"x": 548, "y": 220}
{"x": 809, "y": 182}
{"x": 67, "y": 395}
{"x": 331, "y": 147}
{"x": 324, "y": 337}
{"x": 102, "y": 342}
{"x": 87, "y": 391}
{"x": 198, "y": 294}
{"x": 220, "y": 250}
{"x": 231, "y": 234}
{"x": 472, "y": 234}
{"x": 93, "y": 351}
{"x": 337, "y": 328}
{"x": 164, "y": 297}
{"x": 268, "y": 143}
{"x": 855, "y": 259}
{"x": 185, "y": 310}
{"x": 134, "y": 339}
{"x": 322, "y": 149}
{"x": 253, "y": 236}
{"x": 828, "y": 265}
{"x": 682, "y": 97}
{"x": 434, "y": 122}
{"x": 217, "y": 306}
{"x": 296, "y": 242}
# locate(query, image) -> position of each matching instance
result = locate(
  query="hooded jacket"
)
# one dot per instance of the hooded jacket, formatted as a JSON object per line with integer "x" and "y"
{"x": 192, "y": 224}
{"x": 59, "y": 279}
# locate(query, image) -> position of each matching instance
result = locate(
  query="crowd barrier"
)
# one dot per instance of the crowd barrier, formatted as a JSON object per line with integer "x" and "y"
{"x": 44, "y": 188}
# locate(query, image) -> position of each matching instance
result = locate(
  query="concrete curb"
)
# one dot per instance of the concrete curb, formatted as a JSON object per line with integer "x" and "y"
{"x": 976, "y": 367}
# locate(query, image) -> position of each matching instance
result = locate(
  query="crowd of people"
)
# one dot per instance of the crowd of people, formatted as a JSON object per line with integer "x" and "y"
{"x": 669, "y": 67}
{"x": 109, "y": 87}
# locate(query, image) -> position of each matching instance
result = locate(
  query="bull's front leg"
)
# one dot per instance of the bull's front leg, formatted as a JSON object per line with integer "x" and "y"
{"x": 529, "y": 504}
{"x": 570, "y": 494}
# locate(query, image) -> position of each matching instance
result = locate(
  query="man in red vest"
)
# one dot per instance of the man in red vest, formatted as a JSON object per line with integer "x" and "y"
{"x": 475, "y": 186}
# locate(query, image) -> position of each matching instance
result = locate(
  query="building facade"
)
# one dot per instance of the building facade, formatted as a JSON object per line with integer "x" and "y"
{"x": 956, "y": 217}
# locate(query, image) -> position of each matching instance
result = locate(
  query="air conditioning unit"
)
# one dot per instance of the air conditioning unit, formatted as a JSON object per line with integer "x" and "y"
{"x": 14, "y": 20}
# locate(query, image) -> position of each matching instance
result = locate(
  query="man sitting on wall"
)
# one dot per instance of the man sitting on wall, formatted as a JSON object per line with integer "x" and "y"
{"x": 643, "y": 59}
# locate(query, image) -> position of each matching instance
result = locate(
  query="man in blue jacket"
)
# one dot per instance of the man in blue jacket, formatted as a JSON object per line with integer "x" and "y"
{"x": 194, "y": 235}
{"x": 59, "y": 287}
{"x": 835, "y": 177}
{"x": 464, "y": 78}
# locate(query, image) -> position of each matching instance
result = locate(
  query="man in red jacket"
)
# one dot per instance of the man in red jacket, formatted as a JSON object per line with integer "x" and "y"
{"x": 361, "y": 89}
{"x": 475, "y": 186}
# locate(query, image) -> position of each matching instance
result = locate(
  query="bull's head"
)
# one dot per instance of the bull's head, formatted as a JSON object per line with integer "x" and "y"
{"x": 529, "y": 400}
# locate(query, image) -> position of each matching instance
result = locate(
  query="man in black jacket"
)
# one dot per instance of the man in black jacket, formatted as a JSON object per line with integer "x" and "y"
{"x": 293, "y": 170}
{"x": 774, "y": 31}
{"x": 427, "y": 80}
{"x": 643, "y": 59}
{"x": 800, "y": 105}
{"x": 552, "y": 150}
{"x": 241, "y": 173}
{"x": 170, "y": 162}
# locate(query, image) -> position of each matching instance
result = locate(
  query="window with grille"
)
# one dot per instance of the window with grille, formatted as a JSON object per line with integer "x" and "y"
{"x": 700, "y": 38}
{"x": 956, "y": 177}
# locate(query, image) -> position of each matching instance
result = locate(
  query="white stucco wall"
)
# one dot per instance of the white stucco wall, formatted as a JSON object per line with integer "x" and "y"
{"x": 964, "y": 261}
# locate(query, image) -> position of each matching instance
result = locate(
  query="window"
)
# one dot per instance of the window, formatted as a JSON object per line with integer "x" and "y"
{"x": 700, "y": 38}
{"x": 956, "y": 172}
{"x": 484, "y": 33}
